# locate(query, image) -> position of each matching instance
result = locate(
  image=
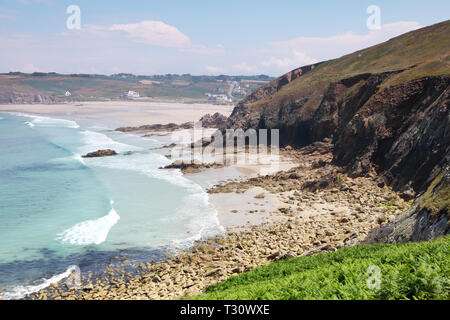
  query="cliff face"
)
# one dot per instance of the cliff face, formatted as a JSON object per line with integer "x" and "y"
{"x": 386, "y": 108}
{"x": 27, "y": 98}
{"x": 428, "y": 218}
{"x": 402, "y": 131}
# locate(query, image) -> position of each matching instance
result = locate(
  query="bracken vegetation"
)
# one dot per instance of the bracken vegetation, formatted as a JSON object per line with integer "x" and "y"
{"x": 408, "y": 271}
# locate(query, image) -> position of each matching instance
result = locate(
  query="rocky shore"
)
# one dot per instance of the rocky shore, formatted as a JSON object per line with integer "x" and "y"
{"x": 215, "y": 121}
{"x": 322, "y": 210}
{"x": 192, "y": 166}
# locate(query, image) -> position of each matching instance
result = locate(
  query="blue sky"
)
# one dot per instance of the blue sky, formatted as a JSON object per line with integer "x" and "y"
{"x": 197, "y": 36}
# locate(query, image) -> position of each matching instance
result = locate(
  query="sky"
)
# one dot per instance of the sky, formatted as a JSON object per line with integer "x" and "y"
{"x": 200, "y": 37}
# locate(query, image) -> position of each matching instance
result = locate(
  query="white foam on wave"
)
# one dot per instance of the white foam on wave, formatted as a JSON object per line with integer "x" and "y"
{"x": 30, "y": 124}
{"x": 20, "y": 292}
{"x": 51, "y": 122}
{"x": 94, "y": 141}
{"x": 149, "y": 164}
{"x": 200, "y": 226}
{"x": 42, "y": 121}
{"x": 90, "y": 231}
{"x": 201, "y": 216}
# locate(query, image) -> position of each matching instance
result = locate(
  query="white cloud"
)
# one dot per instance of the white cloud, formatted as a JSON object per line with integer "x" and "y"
{"x": 288, "y": 63}
{"x": 160, "y": 34}
{"x": 155, "y": 33}
{"x": 337, "y": 45}
{"x": 111, "y": 47}
{"x": 294, "y": 53}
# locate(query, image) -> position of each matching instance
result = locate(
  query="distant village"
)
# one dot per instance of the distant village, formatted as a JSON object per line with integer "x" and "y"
{"x": 234, "y": 91}
{"x": 216, "y": 90}
{"x": 219, "y": 96}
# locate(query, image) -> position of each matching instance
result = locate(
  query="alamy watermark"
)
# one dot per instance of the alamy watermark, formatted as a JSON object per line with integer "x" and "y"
{"x": 73, "y": 22}
{"x": 250, "y": 147}
{"x": 373, "y": 277}
{"x": 374, "y": 20}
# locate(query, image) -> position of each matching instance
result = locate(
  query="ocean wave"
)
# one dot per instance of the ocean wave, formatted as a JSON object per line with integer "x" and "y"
{"x": 90, "y": 231}
{"x": 95, "y": 140}
{"x": 149, "y": 164}
{"x": 19, "y": 292}
{"x": 202, "y": 220}
{"x": 42, "y": 121}
{"x": 74, "y": 157}
{"x": 30, "y": 124}
{"x": 200, "y": 216}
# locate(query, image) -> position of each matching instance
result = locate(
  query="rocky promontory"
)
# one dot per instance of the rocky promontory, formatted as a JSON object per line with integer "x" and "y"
{"x": 214, "y": 121}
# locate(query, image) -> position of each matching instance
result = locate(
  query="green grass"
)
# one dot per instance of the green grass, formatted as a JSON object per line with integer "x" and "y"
{"x": 408, "y": 271}
{"x": 418, "y": 53}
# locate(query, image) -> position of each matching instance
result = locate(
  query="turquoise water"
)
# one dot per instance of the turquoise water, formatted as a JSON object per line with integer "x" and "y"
{"x": 58, "y": 209}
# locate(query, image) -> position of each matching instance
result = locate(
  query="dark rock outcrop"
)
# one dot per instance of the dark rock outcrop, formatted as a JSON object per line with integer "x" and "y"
{"x": 427, "y": 219}
{"x": 101, "y": 153}
{"x": 215, "y": 121}
{"x": 158, "y": 127}
{"x": 192, "y": 166}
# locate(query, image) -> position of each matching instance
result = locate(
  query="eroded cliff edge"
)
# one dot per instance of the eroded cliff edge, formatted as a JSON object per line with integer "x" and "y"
{"x": 386, "y": 109}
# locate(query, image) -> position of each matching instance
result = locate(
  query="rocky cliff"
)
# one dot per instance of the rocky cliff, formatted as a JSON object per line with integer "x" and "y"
{"x": 16, "y": 97}
{"x": 386, "y": 109}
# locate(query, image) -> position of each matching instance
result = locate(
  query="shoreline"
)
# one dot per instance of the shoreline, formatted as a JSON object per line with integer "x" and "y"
{"x": 117, "y": 114}
{"x": 266, "y": 218}
{"x": 307, "y": 222}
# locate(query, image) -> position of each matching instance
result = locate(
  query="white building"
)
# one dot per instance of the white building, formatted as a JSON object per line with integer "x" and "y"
{"x": 219, "y": 98}
{"x": 130, "y": 95}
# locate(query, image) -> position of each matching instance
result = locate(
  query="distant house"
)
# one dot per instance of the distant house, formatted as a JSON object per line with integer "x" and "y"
{"x": 218, "y": 98}
{"x": 130, "y": 95}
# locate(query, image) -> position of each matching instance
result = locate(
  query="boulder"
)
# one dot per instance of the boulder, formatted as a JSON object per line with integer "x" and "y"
{"x": 101, "y": 153}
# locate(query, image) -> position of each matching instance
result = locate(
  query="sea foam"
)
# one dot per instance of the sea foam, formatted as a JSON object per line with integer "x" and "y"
{"x": 20, "y": 292}
{"x": 95, "y": 140}
{"x": 46, "y": 121}
{"x": 90, "y": 231}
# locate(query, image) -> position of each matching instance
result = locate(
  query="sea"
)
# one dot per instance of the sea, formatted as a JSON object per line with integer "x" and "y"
{"x": 59, "y": 210}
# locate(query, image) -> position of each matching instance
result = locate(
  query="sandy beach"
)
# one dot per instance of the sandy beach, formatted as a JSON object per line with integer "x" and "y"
{"x": 123, "y": 113}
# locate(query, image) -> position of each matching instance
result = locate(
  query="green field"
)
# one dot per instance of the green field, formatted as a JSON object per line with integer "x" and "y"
{"x": 407, "y": 271}
{"x": 85, "y": 87}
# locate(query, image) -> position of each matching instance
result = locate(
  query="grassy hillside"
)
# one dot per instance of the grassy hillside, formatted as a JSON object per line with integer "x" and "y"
{"x": 419, "y": 53}
{"x": 408, "y": 271}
